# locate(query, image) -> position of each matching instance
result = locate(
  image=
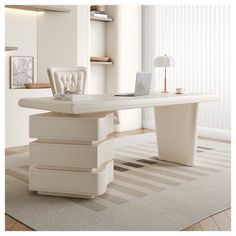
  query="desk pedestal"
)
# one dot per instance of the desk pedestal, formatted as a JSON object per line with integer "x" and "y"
{"x": 176, "y": 130}
{"x": 71, "y": 156}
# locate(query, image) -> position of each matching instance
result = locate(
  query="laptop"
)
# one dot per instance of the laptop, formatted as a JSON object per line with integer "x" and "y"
{"x": 142, "y": 85}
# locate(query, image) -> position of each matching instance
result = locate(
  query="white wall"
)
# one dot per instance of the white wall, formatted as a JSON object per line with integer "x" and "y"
{"x": 63, "y": 39}
{"x": 21, "y": 31}
{"x": 83, "y": 44}
{"x": 17, "y": 118}
{"x": 124, "y": 45}
{"x": 57, "y": 40}
{"x": 98, "y": 48}
{"x": 198, "y": 37}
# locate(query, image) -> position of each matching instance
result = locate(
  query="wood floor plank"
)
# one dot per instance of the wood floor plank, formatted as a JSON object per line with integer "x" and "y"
{"x": 9, "y": 222}
{"x": 195, "y": 227}
{"x": 222, "y": 221}
{"x": 20, "y": 227}
{"x": 209, "y": 225}
{"x": 228, "y": 213}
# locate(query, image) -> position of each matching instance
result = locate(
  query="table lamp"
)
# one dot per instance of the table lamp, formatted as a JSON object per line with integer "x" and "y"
{"x": 164, "y": 61}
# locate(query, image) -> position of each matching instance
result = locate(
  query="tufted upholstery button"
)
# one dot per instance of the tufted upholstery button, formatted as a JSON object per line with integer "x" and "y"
{"x": 67, "y": 79}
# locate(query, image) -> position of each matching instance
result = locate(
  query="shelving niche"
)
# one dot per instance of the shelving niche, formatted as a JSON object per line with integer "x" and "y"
{"x": 98, "y": 47}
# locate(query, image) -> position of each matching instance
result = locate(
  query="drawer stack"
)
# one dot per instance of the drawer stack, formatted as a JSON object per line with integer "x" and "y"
{"x": 72, "y": 155}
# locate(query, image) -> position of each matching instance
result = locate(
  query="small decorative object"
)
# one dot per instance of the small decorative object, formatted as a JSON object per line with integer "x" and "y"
{"x": 164, "y": 61}
{"x": 72, "y": 91}
{"x": 179, "y": 91}
{"x": 22, "y": 71}
{"x": 95, "y": 8}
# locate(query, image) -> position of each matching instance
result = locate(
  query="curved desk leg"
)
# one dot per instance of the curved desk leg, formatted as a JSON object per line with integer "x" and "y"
{"x": 176, "y": 130}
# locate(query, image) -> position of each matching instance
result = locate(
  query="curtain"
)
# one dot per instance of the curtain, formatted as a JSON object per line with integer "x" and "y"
{"x": 198, "y": 37}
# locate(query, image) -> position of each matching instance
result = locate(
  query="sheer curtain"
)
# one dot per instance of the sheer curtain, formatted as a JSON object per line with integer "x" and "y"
{"x": 198, "y": 37}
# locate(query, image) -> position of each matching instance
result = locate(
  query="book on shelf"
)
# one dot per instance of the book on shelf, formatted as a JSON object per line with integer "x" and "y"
{"x": 100, "y": 16}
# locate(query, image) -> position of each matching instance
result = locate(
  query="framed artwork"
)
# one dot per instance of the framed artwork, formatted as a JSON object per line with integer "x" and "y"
{"x": 22, "y": 71}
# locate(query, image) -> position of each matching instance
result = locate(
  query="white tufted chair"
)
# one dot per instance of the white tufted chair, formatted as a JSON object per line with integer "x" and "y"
{"x": 67, "y": 79}
{"x": 71, "y": 78}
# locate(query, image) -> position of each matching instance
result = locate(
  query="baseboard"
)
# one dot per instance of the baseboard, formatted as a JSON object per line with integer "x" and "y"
{"x": 214, "y": 133}
{"x": 134, "y": 139}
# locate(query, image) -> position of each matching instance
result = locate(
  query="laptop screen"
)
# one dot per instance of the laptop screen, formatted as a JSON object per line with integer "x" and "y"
{"x": 143, "y": 83}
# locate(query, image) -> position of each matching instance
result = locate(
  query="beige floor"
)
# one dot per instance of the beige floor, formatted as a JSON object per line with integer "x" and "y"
{"x": 218, "y": 222}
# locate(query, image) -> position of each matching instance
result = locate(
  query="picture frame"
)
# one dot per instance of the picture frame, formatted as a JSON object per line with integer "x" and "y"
{"x": 21, "y": 71}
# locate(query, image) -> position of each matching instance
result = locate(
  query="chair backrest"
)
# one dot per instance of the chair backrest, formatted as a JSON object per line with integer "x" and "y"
{"x": 71, "y": 78}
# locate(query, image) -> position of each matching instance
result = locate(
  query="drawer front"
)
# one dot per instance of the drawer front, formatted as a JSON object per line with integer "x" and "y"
{"x": 76, "y": 156}
{"x": 71, "y": 182}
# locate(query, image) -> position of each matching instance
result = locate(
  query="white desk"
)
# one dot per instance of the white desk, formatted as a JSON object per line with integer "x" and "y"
{"x": 104, "y": 103}
{"x": 176, "y": 118}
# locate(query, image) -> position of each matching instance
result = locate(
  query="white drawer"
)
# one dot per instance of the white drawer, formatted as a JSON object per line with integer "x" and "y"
{"x": 84, "y": 127}
{"x": 71, "y": 155}
{"x": 57, "y": 182}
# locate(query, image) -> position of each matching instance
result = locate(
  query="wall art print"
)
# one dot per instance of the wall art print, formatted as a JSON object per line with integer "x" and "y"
{"x": 22, "y": 71}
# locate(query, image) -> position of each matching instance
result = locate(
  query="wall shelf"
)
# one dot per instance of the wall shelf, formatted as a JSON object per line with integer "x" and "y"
{"x": 45, "y": 8}
{"x": 101, "y": 62}
{"x": 101, "y": 53}
{"x": 8, "y": 48}
{"x": 37, "y": 85}
{"x": 94, "y": 18}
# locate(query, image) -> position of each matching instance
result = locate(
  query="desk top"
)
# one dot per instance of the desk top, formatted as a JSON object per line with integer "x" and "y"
{"x": 102, "y": 103}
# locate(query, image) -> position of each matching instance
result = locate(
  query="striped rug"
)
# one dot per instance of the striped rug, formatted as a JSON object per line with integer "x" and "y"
{"x": 146, "y": 194}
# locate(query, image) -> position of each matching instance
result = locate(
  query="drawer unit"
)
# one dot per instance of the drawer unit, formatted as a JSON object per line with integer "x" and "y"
{"x": 72, "y": 155}
{"x": 61, "y": 182}
{"x": 51, "y": 125}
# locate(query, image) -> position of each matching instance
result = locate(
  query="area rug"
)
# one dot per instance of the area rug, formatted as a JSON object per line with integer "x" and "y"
{"x": 146, "y": 194}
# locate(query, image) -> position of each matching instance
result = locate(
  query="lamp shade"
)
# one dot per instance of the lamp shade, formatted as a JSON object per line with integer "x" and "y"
{"x": 164, "y": 61}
